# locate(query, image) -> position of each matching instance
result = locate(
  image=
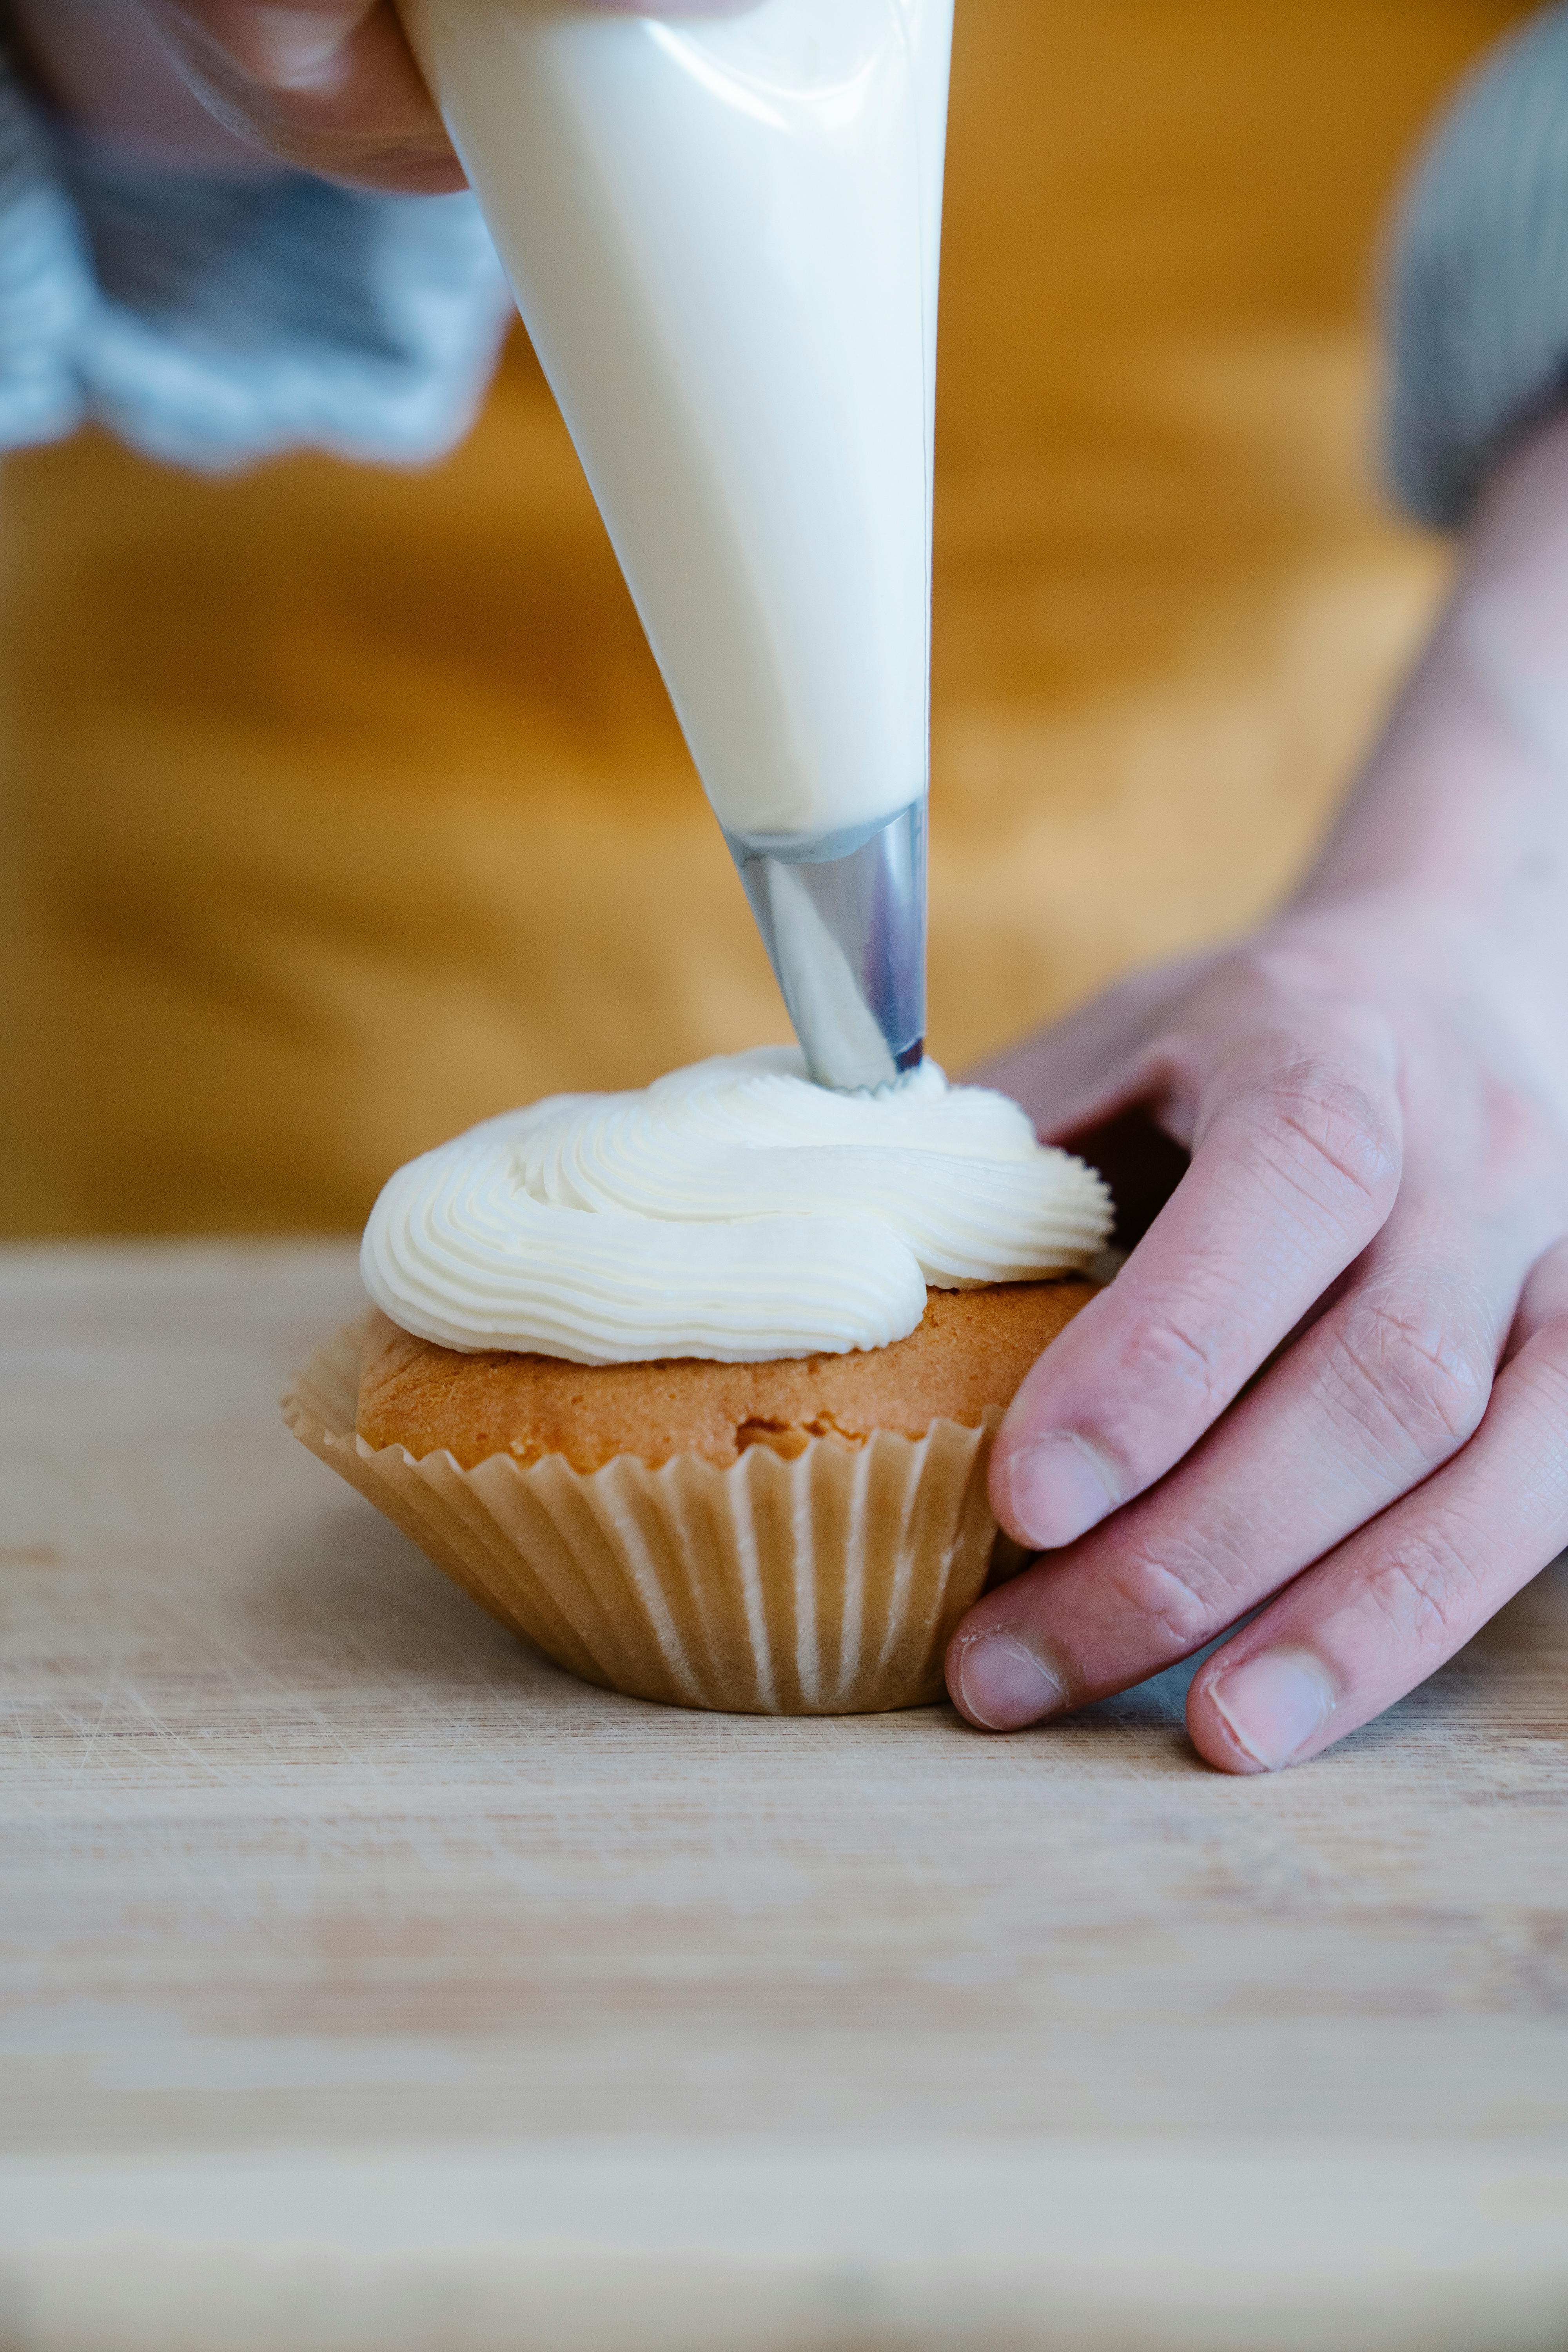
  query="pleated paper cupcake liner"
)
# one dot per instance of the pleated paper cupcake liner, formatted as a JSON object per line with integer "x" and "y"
{"x": 828, "y": 1584}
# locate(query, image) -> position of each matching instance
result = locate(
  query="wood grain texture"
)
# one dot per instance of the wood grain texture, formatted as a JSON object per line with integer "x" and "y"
{"x": 365, "y": 1981}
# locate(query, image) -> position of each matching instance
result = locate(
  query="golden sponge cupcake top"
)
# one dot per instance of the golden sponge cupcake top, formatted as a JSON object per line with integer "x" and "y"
{"x": 967, "y": 1356}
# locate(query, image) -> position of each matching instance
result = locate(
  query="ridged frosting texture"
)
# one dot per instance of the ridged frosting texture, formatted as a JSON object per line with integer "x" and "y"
{"x": 732, "y": 1210}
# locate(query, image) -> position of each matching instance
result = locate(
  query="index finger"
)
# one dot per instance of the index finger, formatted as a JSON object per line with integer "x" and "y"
{"x": 1295, "y": 1167}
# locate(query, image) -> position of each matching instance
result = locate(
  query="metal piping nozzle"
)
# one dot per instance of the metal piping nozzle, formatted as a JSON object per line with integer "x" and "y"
{"x": 843, "y": 916}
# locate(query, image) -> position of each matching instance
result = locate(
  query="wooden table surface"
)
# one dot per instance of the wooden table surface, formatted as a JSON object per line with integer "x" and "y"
{"x": 363, "y": 1980}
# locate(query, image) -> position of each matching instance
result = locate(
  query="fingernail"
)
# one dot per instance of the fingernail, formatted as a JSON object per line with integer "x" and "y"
{"x": 1274, "y": 1705}
{"x": 1004, "y": 1685}
{"x": 1054, "y": 1491}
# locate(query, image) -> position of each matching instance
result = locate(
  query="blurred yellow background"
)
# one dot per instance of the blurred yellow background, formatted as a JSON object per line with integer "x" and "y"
{"x": 341, "y": 808}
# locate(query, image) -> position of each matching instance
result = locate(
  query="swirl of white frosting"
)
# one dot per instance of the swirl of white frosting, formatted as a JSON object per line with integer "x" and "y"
{"x": 732, "y": 1209}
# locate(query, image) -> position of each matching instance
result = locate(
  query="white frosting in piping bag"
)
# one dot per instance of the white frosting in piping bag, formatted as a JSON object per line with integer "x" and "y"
{"x": 732, "y": 1210}
{"x": 723, "y": 226}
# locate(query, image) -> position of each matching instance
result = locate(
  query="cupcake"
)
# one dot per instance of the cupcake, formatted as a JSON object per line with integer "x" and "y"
{"x": 696, "y": 1387}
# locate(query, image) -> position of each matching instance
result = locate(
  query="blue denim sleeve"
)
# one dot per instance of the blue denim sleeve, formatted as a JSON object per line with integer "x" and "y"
{"x": 1478, "y": 299}
{"x": 212, "y": 320}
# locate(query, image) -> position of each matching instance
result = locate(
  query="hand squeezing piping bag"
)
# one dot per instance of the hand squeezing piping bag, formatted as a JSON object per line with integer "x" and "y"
{"x": 722, "y": 228}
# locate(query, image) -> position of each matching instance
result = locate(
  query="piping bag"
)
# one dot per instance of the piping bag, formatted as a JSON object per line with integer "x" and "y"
{"x": 722, "y": 228}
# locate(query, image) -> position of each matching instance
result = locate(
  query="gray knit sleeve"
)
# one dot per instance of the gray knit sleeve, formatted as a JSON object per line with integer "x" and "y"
{"x": 1479, "y": 291}
{"x": 214, "y": 319}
